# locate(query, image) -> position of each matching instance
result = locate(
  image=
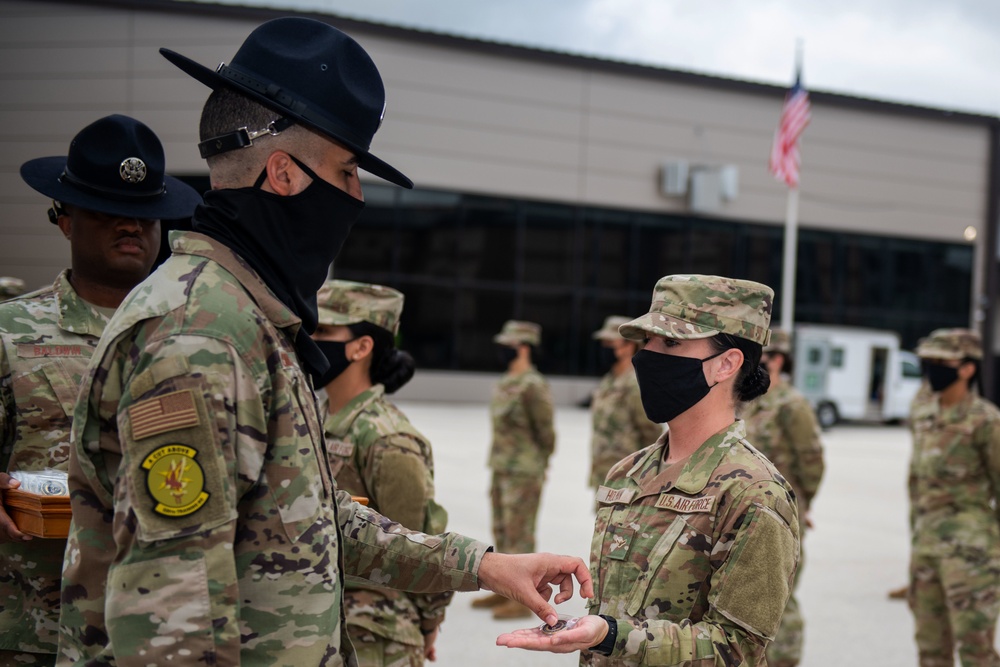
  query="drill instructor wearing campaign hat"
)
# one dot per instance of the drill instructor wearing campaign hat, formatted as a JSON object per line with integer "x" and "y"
{"x": 206, "y": 523}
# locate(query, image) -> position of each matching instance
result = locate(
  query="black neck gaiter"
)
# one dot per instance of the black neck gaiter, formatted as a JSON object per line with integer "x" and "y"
{"x": 289, "y": 241}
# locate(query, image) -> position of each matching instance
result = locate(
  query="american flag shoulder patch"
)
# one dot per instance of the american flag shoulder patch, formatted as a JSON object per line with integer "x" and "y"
{"x": 165, "y": 413}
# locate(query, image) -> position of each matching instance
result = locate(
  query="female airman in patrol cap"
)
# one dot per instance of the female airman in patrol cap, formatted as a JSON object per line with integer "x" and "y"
{"x": 954, "y": 488}
{"x": 697, "y": 536}
{"x": 375, "y": 452}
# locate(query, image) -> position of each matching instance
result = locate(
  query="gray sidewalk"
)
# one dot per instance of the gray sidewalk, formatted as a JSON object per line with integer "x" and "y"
{"x": 855, "y": 554}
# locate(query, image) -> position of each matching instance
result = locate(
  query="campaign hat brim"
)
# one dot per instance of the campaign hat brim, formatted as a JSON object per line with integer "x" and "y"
{"x": 214, "y": 80}
{"x": 178, "y": 199}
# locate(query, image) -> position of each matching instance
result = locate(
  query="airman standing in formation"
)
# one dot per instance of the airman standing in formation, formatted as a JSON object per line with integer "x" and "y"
{"x": 782, "y": 425}
{"x": 110, "y": 215}
{"x": 523, "y": 440}
{"x": 206, "y": 523}
{"x": 954, "y": 499}
{"x": 696, "y": 540}
{"x": 376, "y": 453}
{"x": 620, "y": 426}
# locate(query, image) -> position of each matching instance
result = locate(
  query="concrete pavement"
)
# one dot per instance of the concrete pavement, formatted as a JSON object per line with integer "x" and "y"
{"x": 856, "y": 553}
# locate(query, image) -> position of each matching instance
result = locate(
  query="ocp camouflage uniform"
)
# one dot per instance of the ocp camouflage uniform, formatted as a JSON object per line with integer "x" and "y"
{"x": 375, "y": 452}
{"x": 206, "y": 523}
{"x": 782, "y": 425}
{"x": 694, "y": 560}
{"x": 954, "y": 487}
{"x": 523, "y": 440}
{"x": 620, "y": 425}
{"x": 46, "y": 340}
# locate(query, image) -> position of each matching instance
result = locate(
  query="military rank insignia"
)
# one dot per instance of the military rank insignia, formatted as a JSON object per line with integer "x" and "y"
{"x": 175, "y": 480}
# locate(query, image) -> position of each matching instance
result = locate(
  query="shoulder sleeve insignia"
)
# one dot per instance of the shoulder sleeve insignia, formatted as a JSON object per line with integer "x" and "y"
{"x": 160, "y": 414}
{"x": 175, "y": 480}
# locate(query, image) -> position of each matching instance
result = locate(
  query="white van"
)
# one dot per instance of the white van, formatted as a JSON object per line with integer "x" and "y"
{"x": 854, "y": 373}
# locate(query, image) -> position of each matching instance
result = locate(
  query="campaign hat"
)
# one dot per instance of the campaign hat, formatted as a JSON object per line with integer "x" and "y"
{"x": 114, "y": 166}
{"x": 311, "y": 73}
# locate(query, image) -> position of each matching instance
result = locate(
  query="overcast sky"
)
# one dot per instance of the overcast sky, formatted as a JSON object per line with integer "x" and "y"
{"x": 931, "y": 52}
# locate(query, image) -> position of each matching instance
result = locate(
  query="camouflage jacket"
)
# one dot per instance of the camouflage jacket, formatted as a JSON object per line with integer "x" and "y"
{"x": 782, "y": 425}
{"x": 695, "y": 559}
{"x": 46, "y": 340}
{"x": 954, "y": 480}
{"x": 523, "y": 432}
{"x": 620, "y": 426}
{"x": 375, "y": 452}
{"x": 206, "y": 523}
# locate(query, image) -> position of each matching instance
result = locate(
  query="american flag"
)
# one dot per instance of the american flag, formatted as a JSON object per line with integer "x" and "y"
{"x": 784, "y": 163}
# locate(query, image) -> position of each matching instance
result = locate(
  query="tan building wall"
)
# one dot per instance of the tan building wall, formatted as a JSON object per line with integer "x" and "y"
{"x": 485, "y": 119}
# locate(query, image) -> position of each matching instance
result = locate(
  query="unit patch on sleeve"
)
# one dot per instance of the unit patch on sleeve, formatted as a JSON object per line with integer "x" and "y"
{"x": 163, "y": 413}
{"x": 685, "y": 505}
{"x": 175, "y": 480}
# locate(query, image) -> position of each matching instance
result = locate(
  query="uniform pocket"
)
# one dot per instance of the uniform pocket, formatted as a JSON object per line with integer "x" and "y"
{"x": 644, "y": 585}
{"x": 292, "y": 468}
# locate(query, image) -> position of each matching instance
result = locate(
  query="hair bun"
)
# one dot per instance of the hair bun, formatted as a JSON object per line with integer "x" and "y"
{"x": 754, "y": 384}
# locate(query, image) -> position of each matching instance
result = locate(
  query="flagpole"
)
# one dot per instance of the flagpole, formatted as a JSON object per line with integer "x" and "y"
{"x": 790, "y": 253}
{"x": 789, "y": 264}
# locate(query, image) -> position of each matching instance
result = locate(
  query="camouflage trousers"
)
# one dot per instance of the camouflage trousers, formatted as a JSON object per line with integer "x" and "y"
{"x": 375, "y": 651}
{"x": 955, "y": 602}
{"x": 18, "y": 659}
{"x": 515, "y": 498}
{"x": 786, "y": 649}
{"x": 29, "y": 589}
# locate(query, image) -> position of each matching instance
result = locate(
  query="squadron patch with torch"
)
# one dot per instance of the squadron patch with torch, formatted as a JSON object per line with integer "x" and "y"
{"x": 175, "y": 480}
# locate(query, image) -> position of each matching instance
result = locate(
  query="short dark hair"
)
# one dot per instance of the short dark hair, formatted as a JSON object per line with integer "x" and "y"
{"x": 227, "y": 110}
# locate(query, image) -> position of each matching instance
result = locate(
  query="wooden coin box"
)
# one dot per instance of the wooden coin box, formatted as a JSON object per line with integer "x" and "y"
{"x": 39, "y": 516}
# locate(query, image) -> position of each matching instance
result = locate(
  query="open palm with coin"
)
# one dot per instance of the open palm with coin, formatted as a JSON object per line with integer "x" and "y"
{"x": 565, "y": 636}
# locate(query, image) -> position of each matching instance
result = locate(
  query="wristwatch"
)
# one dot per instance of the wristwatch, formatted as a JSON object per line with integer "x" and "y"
{"x": 607, "y": 645}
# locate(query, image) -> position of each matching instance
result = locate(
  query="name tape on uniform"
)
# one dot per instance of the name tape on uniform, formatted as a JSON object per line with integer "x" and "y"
{"x": 340, "y": 448}
{"x": 610, "y": 496}
{"x": 32, "y": 351}
{"x": 685, "y": 505}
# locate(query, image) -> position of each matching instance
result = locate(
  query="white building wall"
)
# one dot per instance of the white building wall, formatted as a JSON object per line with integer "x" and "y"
{"x": 475, "y": 120}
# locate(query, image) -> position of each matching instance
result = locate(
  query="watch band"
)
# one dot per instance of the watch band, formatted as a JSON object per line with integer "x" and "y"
{"x": 607, "y": 645}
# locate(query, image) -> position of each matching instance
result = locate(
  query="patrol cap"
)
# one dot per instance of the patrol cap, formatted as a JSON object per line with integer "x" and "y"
{"x": 695, "y": 306}
{"x": 343, "y": 302}
{"x": 517, "y": 332}
{"x": 781, "y": 341}
{"x": 609, "y": 331}
{"x": 310, "y": 73}
{"x": 115, "y": 166}
{"x": 10, "y": 287}
{"x": 951, "y": 344}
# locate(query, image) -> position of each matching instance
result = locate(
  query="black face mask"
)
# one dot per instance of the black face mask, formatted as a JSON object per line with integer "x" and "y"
{"x": 669, "y": 384}
{"x": 606, "y": 357}
{"x": 506, "y": 355}
{"x": 289, "y": 241}
{"x": 940, "y": 377}
{"x": 336, "y": 354}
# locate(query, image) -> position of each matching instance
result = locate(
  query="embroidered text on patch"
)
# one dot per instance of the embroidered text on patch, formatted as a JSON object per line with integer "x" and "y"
{"x": 175, "y": 480}
{"x": 610, "y": 496}
{"x": 685, "y": 505}
{"x": 163, "y": 413}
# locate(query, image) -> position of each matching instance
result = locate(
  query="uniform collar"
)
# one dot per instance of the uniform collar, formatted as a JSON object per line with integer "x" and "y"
{"x": 690, "y": 475}
{"x": 193, "y": 243}
{"x": 75, "y": 314}
{"x": 339, "y": 425}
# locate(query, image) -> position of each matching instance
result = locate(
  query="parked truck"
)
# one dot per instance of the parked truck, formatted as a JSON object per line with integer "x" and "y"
{"x": 854, "y": 373}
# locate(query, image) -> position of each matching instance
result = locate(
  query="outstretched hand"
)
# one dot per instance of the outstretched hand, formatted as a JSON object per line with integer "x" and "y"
{"x": 588, "y": 631}
{"x": 528, "y": 578}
